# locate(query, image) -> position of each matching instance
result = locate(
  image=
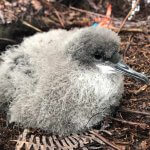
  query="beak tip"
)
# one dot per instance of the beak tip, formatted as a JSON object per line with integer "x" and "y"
{"x": 123, "y": 68}
{"x": 145, "y": 78}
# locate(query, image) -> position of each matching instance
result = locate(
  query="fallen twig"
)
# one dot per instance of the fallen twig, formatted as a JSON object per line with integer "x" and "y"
{"x": 9, "y": 40}
{"x": 122, "y": 143}
{"x": 140, "y": 99}
{"x": 31, "y": 26}
{"x": 130, "y": 30}
{"x": 142, "y": 125}
{"x": 105, "y": 140}
{"x": 134, "y": 111}
{"x": 60, "y": 19}
{"x": 134, "y": 30}
{"x": 124, "y": 21}
{"x": 89, "y": 12}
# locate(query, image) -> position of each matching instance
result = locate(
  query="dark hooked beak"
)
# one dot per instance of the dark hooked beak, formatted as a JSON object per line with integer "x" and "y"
{"x": 125, "y": 69}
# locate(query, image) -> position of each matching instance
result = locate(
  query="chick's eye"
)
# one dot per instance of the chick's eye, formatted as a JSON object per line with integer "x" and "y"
{"x": 97, "y": 56}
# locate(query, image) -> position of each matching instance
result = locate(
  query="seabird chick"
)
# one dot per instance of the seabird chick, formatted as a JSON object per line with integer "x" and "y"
{"x": 63, "y": 81}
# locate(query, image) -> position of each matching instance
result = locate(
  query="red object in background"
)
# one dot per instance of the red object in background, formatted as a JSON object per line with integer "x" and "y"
{"x": 105, "y": 22}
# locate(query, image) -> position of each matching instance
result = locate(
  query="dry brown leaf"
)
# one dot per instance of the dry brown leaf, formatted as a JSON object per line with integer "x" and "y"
{"x": 36, "y": 4}
{"x": 143, "y": 145}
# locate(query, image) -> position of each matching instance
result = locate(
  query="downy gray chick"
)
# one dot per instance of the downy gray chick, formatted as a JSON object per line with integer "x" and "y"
{"x": 63, "y": 81}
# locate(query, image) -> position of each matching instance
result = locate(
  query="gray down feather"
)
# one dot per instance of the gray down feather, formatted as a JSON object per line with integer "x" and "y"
{"x": 50, "y": 82}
